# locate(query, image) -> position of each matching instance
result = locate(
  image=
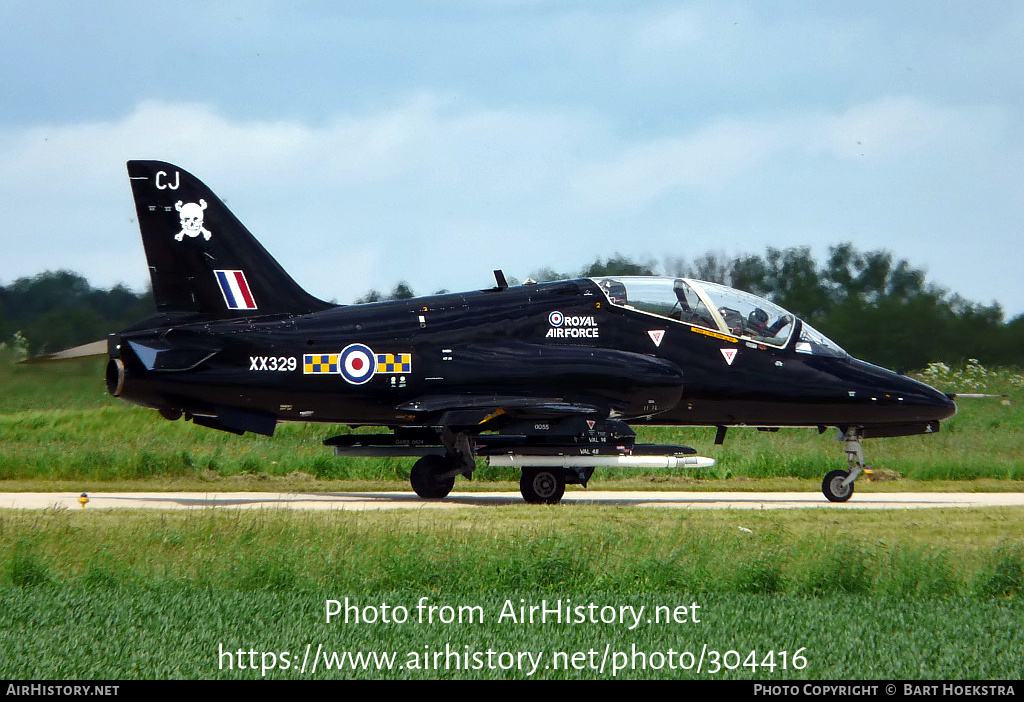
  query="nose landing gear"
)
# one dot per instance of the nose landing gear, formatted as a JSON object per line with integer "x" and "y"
{"x": 838, "y": 484}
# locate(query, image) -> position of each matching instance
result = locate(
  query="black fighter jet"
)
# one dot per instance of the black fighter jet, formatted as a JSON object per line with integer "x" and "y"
{"x": 544, "y": 377}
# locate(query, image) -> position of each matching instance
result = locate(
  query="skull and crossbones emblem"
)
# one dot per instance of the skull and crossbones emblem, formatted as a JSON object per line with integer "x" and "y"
{"x": 191, "y": 215}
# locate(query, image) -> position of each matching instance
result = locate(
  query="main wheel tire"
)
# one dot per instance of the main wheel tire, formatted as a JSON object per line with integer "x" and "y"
{"x": 832, "y": 486}
{"x": 426, "y": 477}
{"x": 540, "y": 486}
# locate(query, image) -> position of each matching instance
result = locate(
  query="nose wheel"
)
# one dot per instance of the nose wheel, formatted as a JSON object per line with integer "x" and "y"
{"x": 838, "y": 484}
{"x": 834, "y": 489}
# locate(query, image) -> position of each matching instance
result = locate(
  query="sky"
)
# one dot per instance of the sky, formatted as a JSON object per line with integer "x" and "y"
{"x": 366, "y": 143}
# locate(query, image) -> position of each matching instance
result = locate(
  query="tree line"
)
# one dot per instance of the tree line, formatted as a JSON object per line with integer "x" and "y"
{"x": 879, "y": 308}
{"x": 59, "y": 309}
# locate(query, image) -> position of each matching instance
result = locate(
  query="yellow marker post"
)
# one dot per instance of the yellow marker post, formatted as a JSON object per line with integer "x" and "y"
{"x": 83, "y": 500}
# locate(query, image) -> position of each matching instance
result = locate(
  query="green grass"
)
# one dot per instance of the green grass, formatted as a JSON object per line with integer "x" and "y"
{"x": 865, "y": 595}
{"x": 941, "y": 552}
{"x": 176, "y": 633}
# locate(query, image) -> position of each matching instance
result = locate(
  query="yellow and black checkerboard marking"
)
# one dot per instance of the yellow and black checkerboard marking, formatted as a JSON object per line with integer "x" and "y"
{"x": 314, "y": 363}
{"x": 394, "y": 363}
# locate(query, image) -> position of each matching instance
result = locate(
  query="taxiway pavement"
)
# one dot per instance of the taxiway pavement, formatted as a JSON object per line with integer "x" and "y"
{"x": 408, "y": 500}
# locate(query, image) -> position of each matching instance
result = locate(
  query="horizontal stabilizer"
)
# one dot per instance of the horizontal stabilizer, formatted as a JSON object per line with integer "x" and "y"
{"x": 93, "y": 349}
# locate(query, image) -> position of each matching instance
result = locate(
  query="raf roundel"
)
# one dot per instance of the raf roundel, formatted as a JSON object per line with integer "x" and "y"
{"x": 357, "y": 363}
{"x": 555, "y": 319}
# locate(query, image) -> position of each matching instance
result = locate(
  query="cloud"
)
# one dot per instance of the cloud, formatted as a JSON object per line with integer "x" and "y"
{"x": 438, "y": 190}
{"x": 713, "y": 157}
{"x": 353, "y": 186}
{"x": 705, "y": 160}
{"x": 893, "y": 127}
{"x": 679, "y": 27}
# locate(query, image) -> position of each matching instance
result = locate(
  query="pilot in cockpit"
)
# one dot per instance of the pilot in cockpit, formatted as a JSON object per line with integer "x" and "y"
{"x": 757, "y": 323}
{"x": 615, "y": 291}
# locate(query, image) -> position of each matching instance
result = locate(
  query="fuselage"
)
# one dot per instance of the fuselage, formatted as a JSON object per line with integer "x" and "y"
{"x": 545, "y": 377}
{"x": 571, "y": 340}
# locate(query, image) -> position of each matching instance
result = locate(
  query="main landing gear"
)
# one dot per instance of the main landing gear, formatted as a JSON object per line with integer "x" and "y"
{"x": 838, "y": 484}
{"x": 542, "y": 486}
{"x": 550, "y": 454}
{"x": 433, "y": 477}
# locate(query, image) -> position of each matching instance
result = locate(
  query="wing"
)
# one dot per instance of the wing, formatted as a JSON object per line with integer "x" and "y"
{"x": 473, "y": 412}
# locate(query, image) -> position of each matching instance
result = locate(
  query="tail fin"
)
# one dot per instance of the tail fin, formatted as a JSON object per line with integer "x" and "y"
{"x": 202, "y": 260}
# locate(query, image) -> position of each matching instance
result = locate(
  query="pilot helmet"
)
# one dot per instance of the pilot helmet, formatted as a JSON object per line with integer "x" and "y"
{"x": 615, "y": 290}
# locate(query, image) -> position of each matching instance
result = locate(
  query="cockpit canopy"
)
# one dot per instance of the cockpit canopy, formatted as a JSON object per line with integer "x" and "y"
{"x": 718, "y": 308}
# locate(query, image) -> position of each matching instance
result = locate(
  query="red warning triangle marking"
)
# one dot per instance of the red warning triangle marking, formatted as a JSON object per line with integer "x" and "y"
{"x": 656, "y": 335}
{"x": 591, "y": 423}
{"x": 729, "y": 355}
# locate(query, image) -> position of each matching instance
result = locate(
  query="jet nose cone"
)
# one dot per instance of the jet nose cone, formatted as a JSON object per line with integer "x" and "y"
{"x": 899, "y": 398}
{"x": 936, "y": 404}
{"x": 946, "y": 406}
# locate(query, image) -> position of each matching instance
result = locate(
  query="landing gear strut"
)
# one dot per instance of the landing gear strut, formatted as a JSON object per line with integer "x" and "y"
{"x": 838, "y": 484}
